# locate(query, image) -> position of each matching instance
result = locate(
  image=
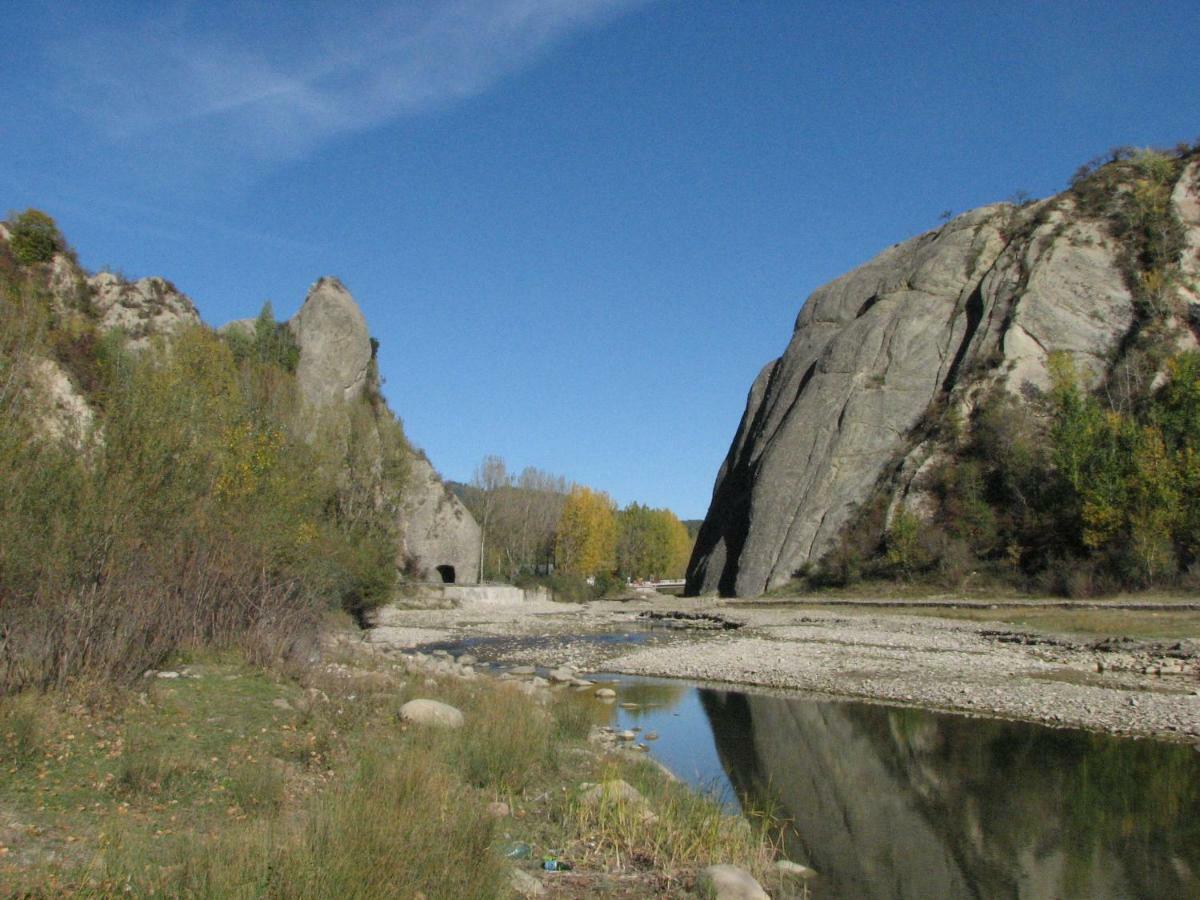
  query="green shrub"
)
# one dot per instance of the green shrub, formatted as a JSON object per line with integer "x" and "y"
{"x": 34, "y": 237}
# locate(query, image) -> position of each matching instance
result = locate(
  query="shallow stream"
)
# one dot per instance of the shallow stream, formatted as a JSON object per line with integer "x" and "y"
{"x": 886, "y": 801}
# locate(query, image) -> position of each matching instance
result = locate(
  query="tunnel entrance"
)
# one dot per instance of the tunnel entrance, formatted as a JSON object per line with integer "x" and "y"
{"x": 447, "y": 573}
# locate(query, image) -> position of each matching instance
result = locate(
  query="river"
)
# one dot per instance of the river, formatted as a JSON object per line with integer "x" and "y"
{"x": 897, "y": 802}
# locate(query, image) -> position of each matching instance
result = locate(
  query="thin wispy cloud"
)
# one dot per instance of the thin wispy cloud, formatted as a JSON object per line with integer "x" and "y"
{"x": 273, "y": 85}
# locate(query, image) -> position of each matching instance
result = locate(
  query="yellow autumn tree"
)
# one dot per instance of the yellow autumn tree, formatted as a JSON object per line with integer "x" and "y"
{"x": 586, "y": 543}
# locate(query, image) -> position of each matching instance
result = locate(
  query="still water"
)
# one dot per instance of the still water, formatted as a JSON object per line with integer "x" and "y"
{"x": 892, "y": 802}
{"x": 897, "y": 802}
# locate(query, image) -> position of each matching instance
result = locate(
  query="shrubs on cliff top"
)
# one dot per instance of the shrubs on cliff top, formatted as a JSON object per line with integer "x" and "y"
{"x": 34, "y": 237}
{"x": 1132, "y": 192}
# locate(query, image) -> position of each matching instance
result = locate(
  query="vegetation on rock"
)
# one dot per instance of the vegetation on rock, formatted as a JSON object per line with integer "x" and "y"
{"x": 192, "y": 506}
{"x": 1071, "y": 490}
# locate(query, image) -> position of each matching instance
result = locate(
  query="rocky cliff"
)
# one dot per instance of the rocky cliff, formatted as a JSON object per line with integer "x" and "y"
{"x": 925, "y": 326}
{"x": 439, "y": 539}
{"x": 436, "y": 537}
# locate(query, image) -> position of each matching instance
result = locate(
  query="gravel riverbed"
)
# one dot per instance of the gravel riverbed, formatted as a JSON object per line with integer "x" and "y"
{"x": 1143, "y": 688}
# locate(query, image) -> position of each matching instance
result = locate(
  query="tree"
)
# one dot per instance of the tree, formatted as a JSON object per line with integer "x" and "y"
{"x": 586, "y": 543}
{"x": 651, "y": 543}
{"x": 491, "y": 476}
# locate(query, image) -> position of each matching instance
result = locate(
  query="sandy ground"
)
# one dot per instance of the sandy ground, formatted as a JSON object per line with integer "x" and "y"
{"x": 878, "y": 654}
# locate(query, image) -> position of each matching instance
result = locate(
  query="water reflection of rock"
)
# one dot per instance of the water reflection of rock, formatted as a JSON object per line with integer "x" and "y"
{"x": 902, "y": 803}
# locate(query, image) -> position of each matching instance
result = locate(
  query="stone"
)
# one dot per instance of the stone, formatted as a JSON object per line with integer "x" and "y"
{"x": 562, "y": 675}
{"x": 981, "y": 300}
{"x": 497, "y": 810}
{"x": 168, "y": 675}
{"x": 431, "y": 712}
{"x": 785, "y": 868}
{"x": 725, "y": 882}
{"x": 524, "y": 884}
{"x": 281, "y": 703}
{"x": 651, "y": 735}
{"x": 606, "y": 693}
{"x": 615, "y": 791}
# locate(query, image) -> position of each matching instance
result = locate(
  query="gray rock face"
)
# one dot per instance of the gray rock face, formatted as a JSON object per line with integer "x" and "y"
{"x": 143, "y": 309}
{"x": 335, "y": 345}
{"x": 983, "y": 300}
{"x": 441, "y": 538}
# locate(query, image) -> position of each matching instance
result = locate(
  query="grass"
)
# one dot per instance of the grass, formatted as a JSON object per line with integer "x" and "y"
{"x": 206, "y": 786}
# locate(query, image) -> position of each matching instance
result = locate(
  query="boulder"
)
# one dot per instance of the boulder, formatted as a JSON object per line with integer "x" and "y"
{"x": 724, "y": 882}
{"x": 431, "y": 712}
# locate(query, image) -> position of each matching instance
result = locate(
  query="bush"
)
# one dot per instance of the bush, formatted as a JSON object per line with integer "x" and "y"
{"x": 34, "y": 237}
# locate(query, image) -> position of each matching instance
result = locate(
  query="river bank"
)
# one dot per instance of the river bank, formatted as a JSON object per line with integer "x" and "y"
{"x": 345, "y": 776}
{"x": 1128, "y": 667}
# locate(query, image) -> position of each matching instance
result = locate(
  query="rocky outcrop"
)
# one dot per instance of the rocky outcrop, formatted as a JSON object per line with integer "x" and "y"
{"x": 441, "y": 538}
{"x": 64, "y": 412}
{"x": 143, "y": 309}
{"x": 335, "y": 345}
{"x": 983, "y": 300}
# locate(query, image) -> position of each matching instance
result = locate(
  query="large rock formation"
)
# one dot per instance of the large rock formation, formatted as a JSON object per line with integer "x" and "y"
{"x": 986, "y": 298}
{"x": 439, "y": 539}
{"x": 335, "y": 345}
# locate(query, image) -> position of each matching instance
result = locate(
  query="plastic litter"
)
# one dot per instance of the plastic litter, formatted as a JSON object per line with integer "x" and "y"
{"x": 518, "y": 850}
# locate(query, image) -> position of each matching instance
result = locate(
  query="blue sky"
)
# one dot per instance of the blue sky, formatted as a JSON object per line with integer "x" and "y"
{"x": 578, "y": 227}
